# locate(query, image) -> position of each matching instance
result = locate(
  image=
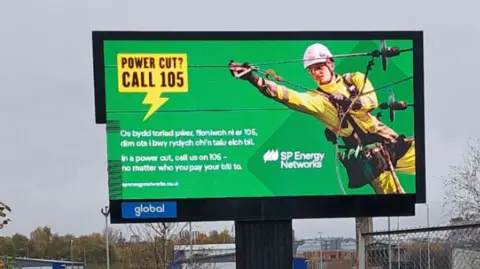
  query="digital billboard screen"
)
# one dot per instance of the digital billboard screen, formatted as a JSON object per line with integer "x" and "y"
{"x": 225, "y": 125}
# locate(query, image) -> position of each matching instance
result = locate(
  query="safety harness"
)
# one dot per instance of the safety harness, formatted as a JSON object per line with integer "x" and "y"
{"x": 367, "y": 155}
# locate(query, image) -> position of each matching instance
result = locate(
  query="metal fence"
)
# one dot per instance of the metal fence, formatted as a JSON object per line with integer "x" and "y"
{"x": 447, "y": 247}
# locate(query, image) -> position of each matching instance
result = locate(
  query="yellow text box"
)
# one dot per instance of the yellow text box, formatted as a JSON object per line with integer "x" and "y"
{"x": 140, "y": 73}
{"x": 152, "y": 74}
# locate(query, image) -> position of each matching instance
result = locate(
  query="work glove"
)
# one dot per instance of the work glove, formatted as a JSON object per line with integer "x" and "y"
{"x": 343, "y": 101}
{"x": 242, "y": 71}
{"x": 340, "y": 99}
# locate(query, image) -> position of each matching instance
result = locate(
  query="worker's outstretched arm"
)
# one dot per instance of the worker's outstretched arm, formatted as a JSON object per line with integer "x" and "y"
{"x": 290, "y": 98}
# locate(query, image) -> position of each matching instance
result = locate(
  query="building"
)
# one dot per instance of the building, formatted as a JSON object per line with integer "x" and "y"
{"x": 224, "y": 261}
{"x": 42, "y": 264}
{"x": 335, "y": 252}
{"x": 202, "y": 250}
{"x": 331, "y": 258}
{"x": 213, "y": 256}
{"x": 330, "y": 243}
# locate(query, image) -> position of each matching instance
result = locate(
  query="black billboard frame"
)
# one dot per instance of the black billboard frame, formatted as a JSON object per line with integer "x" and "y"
{"x": 278, "y": 208}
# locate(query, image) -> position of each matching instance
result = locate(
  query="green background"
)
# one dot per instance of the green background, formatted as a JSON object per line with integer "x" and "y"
{"x": 278, "y": 127}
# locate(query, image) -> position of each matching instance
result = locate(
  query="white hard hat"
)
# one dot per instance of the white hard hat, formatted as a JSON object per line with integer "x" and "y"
{"x": 316, "y": 53}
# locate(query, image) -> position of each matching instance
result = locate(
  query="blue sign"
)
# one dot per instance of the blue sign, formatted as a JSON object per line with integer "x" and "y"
{"x": 299, "y": 263}
{"x": 149, "y": 210}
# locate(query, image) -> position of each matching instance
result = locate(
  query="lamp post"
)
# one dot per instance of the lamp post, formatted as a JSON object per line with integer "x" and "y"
{"x": 71, "y": 253}
{"x": 321, "y": 250}
{"x": 389, "y": 246}
{"x": 191, "y": 243}
{"x": 421, "y": 257}
{"x": 106, "y": 212}
{"x": 428, "y": 236}
{"x": 398, "y": 244}
{"x": 402, "y": 239}
{"x": 84, "y": 259}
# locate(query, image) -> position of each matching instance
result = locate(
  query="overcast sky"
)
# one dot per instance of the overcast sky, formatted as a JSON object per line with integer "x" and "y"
{"x": 54, "y": 157}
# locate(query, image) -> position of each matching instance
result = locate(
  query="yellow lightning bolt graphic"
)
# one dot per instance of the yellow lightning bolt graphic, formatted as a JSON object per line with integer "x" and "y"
{"x": 154, "y": 99}
{"x": 152, "y": 74}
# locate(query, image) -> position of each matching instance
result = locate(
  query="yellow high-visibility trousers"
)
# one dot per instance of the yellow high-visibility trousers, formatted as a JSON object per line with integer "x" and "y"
{"x": 386, "y": 183}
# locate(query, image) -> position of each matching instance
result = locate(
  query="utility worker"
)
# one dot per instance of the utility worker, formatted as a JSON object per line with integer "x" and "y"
{"x": 384, "y": 152}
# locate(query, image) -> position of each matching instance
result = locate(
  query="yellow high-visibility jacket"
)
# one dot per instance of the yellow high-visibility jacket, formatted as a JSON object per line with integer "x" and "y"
{"x": 316, "y": 103}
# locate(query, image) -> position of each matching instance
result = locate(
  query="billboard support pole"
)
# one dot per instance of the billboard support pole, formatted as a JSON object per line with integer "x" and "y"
{"x": 106, "y": 212}
{"x": 264, "y": 244}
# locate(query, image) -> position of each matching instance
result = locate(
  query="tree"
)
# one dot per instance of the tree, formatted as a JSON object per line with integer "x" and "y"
{"x": 156, "y": 244}
{"x": 115, "y": 236}
{"x": 462, "y": 186}
{"x": 6, "y": 246}
{"x": 225, "y": 237}
{"x": 95, "y": 250}
{"x": 156, "y": 248}
{"x": 40, "y": 238}
{"x": 153, "y": 246}
{"x": 60, "y": 247}
{"x": 214, "y": 236}
{"x": 201, "y": 238}
{"x": 21, "y": 244}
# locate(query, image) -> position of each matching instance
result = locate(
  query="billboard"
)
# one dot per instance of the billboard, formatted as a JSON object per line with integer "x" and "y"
{"x": 261, "y": 125}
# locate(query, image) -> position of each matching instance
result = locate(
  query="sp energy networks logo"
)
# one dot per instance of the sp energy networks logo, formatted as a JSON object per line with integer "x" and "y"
{"x": 270, "y": 156}
{"x": 152, "y": 74}
{"x": 294, "y": 159}
{"x": 148, "y": 210}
